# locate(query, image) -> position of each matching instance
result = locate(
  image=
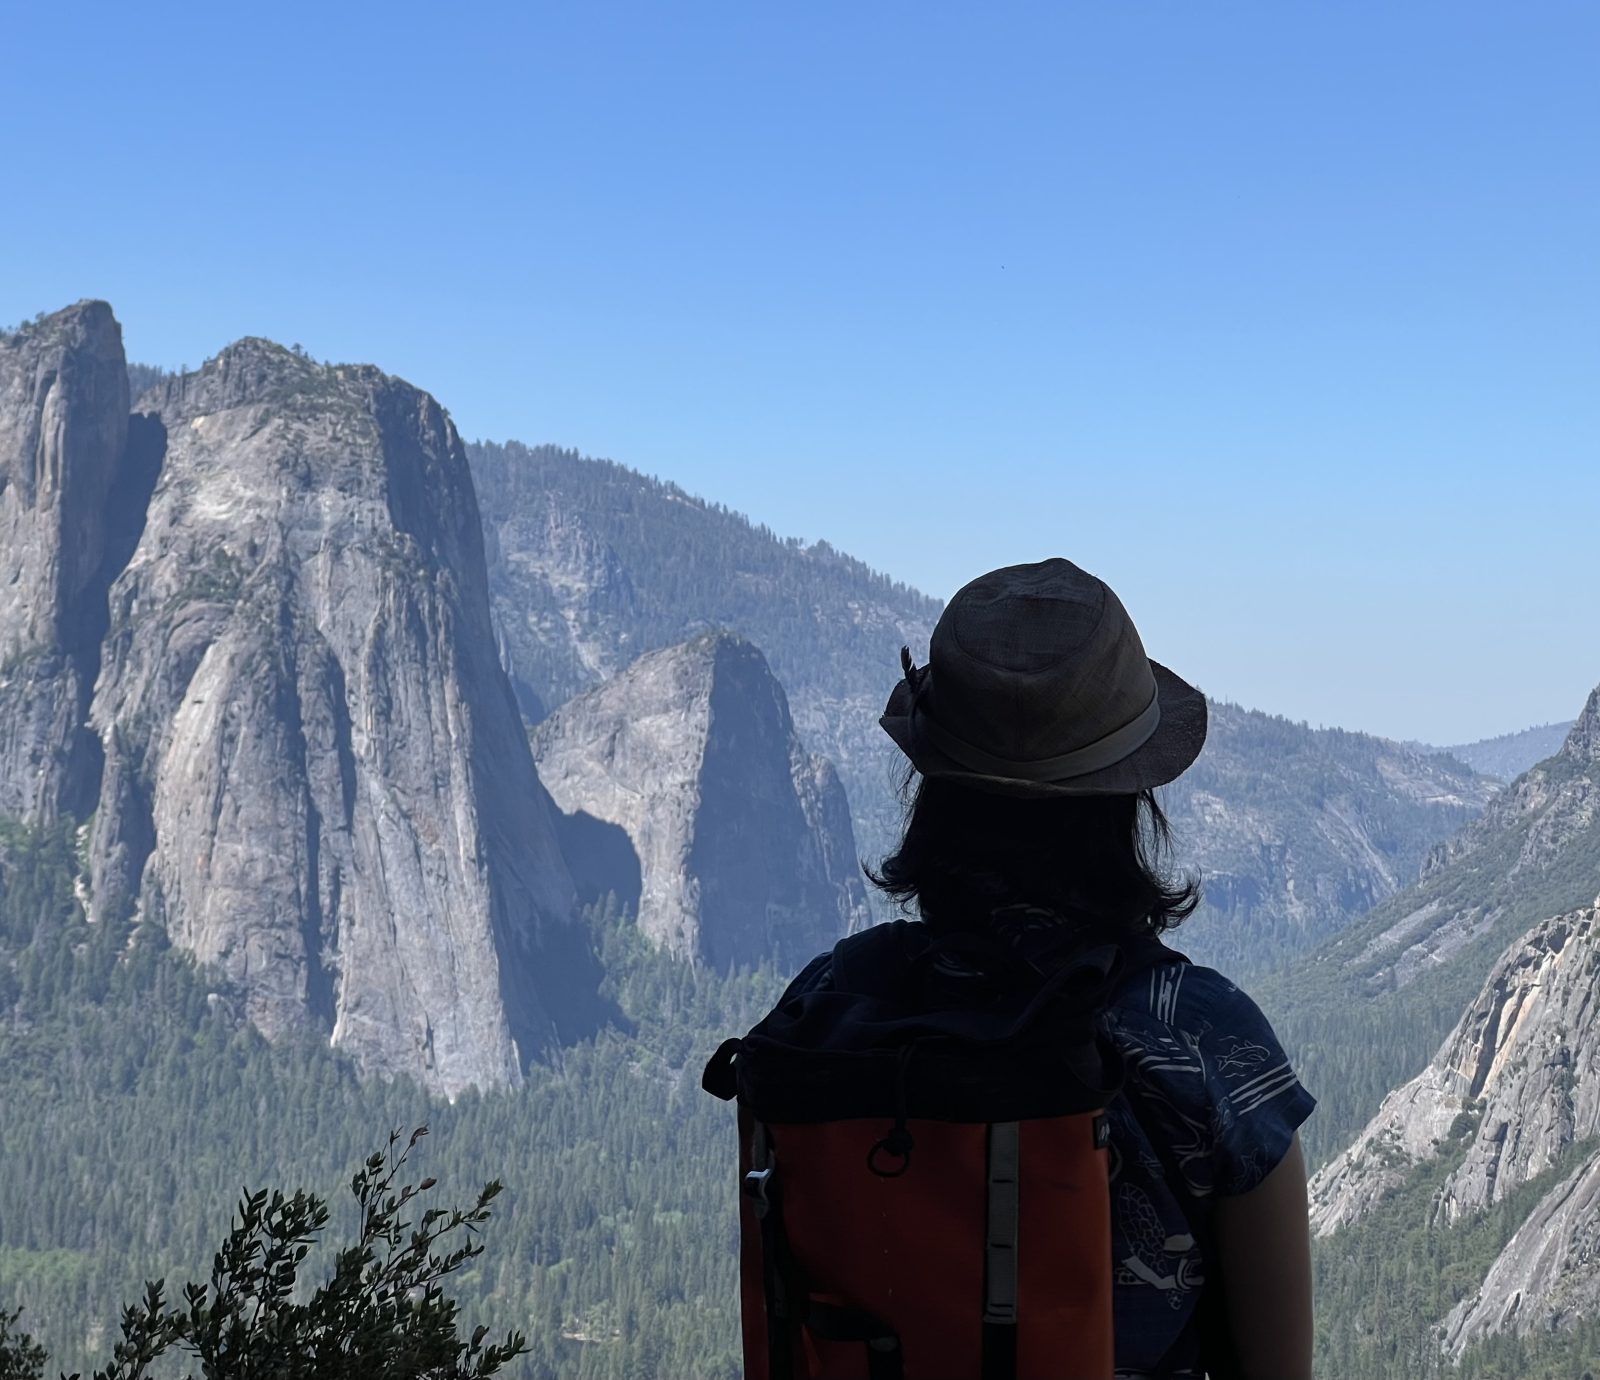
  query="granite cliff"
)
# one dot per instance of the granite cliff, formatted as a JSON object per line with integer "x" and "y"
{"x": 315, "y": 777}
{"x": 592, "y": 565}
{"x": 1519, "y": 1076}
{"x": 1534, "y": 851}
{"x": 1511, "y": 1097}
{"x": 1545, "y": 1277}
{"x": 65, "y": 500}
{"x": 684, "y": 788}
{"x": 1417, "y": 960}
{"x": 1295, "y": 830}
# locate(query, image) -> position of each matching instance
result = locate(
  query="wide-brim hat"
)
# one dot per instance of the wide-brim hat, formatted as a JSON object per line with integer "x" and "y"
{"x": 1037, "y": 684}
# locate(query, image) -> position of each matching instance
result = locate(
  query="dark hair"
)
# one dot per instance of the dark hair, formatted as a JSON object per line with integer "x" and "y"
{"x": 1097, "y": 857}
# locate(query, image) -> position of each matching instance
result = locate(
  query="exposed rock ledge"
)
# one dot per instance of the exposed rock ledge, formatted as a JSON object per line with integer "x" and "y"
{"x": 686, "y": 792}
{"x": 1523, "y": 1065}
{"x": 315, "y": 774}
{"x": 1547, "y": 1276}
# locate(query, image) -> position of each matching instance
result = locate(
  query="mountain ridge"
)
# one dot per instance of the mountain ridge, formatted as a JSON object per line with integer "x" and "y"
{"x": 592, "y": 564}
{"x": 1507, "y": 755}
{"x": 742, "y": 844}
{"x": 1415, "y": 962}
{"x": 305, "y": 588}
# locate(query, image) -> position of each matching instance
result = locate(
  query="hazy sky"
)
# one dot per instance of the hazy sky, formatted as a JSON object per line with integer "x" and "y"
{"x": 1283, "y": 318}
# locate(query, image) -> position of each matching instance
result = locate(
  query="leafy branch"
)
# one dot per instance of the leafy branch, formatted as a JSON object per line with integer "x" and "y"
{"x": 383, "y": 1315}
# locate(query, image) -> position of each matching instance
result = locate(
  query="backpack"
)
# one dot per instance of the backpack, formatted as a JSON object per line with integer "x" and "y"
{"x": 925, "y": 1191}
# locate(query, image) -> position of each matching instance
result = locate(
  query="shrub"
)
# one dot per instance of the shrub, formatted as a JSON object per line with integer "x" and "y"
{"x": 383, "y": 1315}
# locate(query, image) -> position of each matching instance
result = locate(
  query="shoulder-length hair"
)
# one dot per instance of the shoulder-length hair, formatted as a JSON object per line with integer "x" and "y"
{"x": 965, "y": 853}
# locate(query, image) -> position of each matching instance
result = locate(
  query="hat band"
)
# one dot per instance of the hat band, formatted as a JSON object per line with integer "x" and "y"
{"x": 1103, "y": 752}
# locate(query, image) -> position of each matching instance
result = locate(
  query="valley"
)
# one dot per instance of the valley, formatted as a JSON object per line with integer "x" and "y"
{"x": 354, "y": 776}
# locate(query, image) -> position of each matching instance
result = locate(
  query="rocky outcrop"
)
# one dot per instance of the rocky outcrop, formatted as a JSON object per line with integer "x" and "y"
{"x": 1550, "y": 805}
{"x": 63, "y": 446}
{"x": 315, "y": 777}
{"x": 1545, "y": 1277}
{"x": 1518, "y": 1078}
{"x": 591, "y": 565}
{"x": 684, "y": 789}
{"x": 1534, "y": 851}
{"x": 1295, "y": 830}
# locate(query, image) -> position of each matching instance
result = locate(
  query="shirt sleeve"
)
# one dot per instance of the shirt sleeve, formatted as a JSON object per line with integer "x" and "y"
{"x": 1257, "y": 1101}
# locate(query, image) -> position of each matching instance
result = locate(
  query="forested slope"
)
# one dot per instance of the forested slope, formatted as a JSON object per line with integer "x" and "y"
{"x": 1365, "y": 1012}
{"x": 137, "y": 1105}
{"x": 592, "y": 564}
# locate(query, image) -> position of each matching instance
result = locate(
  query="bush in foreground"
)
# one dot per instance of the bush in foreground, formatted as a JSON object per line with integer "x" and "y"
{"x": 383, "y": 1315}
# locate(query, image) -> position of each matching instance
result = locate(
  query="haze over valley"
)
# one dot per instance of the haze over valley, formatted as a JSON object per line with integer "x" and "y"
{"x": 352, "y": 774}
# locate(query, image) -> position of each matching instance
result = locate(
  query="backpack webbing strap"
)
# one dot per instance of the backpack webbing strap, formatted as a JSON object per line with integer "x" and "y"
{"x": 761, "y": 1186}
{"x": 830, "y": 1322}
{"x": 1000, "y": 1257}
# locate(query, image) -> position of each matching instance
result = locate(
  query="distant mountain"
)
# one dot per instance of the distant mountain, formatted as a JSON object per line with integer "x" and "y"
{"x": 1295, "y": 830}
{"x": 590, "y": 564}
{"x": 1508, "y": 756}
{"x": 1416, "y": 962}
{"x": 683, "y": 789}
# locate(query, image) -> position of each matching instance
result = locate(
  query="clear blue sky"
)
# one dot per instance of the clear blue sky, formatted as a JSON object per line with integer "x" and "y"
{"x": 1282, "y": 317}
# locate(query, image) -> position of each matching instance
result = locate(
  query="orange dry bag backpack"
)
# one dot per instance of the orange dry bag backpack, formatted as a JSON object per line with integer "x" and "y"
{"x": 925, "y": 1190}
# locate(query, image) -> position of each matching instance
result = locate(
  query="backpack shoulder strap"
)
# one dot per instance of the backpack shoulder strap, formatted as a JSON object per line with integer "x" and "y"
{"x": 1146, "y": 951}
{"x": 875, "y": 961}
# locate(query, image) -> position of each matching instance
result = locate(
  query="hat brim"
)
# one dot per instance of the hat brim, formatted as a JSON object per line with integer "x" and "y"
{"x": 1164, "y": 756}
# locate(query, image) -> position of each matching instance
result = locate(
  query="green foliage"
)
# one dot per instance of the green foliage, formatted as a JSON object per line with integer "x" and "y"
{"x": 1382, "y": 1287}
{"x": 135, "y": 1104}
{"x": 382, "y": 1316}
{"x": 21, "y": 1358}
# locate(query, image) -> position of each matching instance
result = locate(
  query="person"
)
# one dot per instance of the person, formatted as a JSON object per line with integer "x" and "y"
{"x": 1036, "y": 735}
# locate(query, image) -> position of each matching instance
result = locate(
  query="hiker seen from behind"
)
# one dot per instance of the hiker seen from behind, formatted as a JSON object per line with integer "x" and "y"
{"x": 1015, "y": 1134}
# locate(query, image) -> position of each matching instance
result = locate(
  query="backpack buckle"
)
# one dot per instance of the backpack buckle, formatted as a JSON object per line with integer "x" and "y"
{"x": 758, "y": 1188}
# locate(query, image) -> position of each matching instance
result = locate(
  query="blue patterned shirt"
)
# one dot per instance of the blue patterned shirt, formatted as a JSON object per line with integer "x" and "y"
{"x": 1206, "y": 1075}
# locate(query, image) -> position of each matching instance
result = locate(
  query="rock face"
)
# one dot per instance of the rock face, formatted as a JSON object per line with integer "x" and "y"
{"x": 685, "y": 789}
{"x": 63, "y": 444}
{"x": 1295, "y": 830}
{"x": 315, "y": 775}
{"x": 1534, "y": 851}
{"x": 1545, "y": 1277}
{"x": 1519, "y": 1076}
{"x": 591, "y": 565}
{"x": 1556, "y": 799}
